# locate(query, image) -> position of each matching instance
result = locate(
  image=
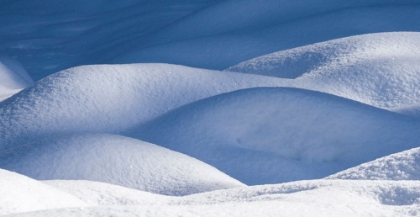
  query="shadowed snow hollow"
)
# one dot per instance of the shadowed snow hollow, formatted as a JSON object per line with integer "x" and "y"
{"x": 22, "y": 194}
{"x": 269, "y": 135}
{"x": 116, "y": 160}
{"x": 400, "y": 166}
{"x": 382, "y": 69}
{"x": 13, "y": 77}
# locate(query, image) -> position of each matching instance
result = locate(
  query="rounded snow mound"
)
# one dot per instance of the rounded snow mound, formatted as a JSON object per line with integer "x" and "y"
{"x": 104, "y": 194}
{"x": 381, "y": 69}
{"x": 116, "y": 160}
{"x": 400, "y": 166}
{"x": 22, "y": 194}
{"x": 268, "y": 135}
{"x": 109, "y": 99}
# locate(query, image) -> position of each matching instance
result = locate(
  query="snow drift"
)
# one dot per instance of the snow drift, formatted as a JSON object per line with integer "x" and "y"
{"x": 271, "y": 135}
{"x": 399, "y": 166}
{"x": 382, "y": 70}
{"x": 109, "y": 99}
{"x": 116, "y": 160}
{"x": 22, "y": 194}
{"x": 303, "y": 198}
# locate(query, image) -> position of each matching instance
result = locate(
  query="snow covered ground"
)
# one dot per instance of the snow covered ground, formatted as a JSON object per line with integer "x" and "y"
{"x": 229, "y": 108}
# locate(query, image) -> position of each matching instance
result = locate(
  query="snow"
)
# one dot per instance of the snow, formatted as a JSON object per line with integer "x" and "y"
{"x": 22, "y": 194}
{"x": 13, "y": 77}
{"x": 324, "y": 91}
{"x": 381, "y": 69}
{"x": 399, "y": 166}
{"x": 319, "y": 198}
{"x": 116, "y": 160}
{"x": 272, "y": 135}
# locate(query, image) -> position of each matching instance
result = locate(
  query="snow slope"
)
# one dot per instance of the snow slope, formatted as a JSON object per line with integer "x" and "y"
{"x": 13, "y": 77}
{"x": 271, "y": 135}
{"x": 227, "y": 48}
{"x": 381, "y": 69}
{"x": 104, "y": 194}
{"x": 116, "y": 160}
{"x": 53, "y": 35}
{"x": 304, "y": 198}
{"x": 399, "y": 166}
{"x": 22, "y": 194}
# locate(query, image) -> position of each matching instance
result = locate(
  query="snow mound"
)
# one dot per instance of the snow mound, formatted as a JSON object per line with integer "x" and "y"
{"x": 382, "y": 69}
{"x": 104, "y": 194}
{"x": 22, "y": 194}
{"x": 109, "y": 98}
{"x": 116, "y": 160}
{"x": 271, "y": 135}
{"x": 400, "y": 166}
{"x": 304, "y": 198}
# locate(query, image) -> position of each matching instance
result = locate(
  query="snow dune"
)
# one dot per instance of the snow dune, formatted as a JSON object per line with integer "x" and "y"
{"x": 110, "y": 99}
{"x": 116, "y": 160}
{"x": 399, "y": 166}
{"x": 381, "y": 69}
{"x": 22, "y": 194}
{"x": 271, "y": 135}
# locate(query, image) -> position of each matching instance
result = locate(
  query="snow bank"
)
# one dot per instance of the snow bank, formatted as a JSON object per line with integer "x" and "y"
{"x": 22, "y": 194}
{"x": 305, "y": 198}
{"x": 115, "y": 160}
{"x": 382, "y": 70}
{"x": 271, "y": 135}
{"x": 104, "y": 194}
{"x": 400, "y": 166}
{"x": 109, "y": 98}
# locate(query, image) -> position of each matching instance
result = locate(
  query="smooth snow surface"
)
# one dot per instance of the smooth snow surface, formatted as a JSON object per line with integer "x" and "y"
{"x": 19, "y": 193}
{"x": 13, "y": 77}
{"x": 116, "y": 160}
{"x": 400, "y": 166}
{"x": 304, "y": 198}
{"x": 382, "y": 69}
{"x": 271, "y": 135}
{"x": 103, "y": 194}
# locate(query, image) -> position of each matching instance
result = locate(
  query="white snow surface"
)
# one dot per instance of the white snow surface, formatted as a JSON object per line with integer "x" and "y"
{"x": 271, "y": 135}
{"x": 117, "y": 160}
{"x": 110, "y": 98}
{"x": 381, "y": 69}
{"x": 22, "y": 194}
{"x": 303, "y": 198}
{"x": 400, "y": 166}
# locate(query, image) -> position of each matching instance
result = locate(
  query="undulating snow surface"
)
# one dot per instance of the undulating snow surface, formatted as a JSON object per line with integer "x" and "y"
{"x": 381, "y": 69}
{"x": 117, "y": 160}
{"x": 303, "y": 198}
{"x": 271, "y": 135}
{"x": 400, "y": 166}
{"x": 22, "y": 194}
{"x": 311, "y": 89}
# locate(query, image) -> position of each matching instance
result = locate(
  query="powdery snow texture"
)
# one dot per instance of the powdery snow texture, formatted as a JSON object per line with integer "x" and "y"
{"x": 116, "y": 160}
{"x": 400, "y": 166}
{"x": 22, "y": 194}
